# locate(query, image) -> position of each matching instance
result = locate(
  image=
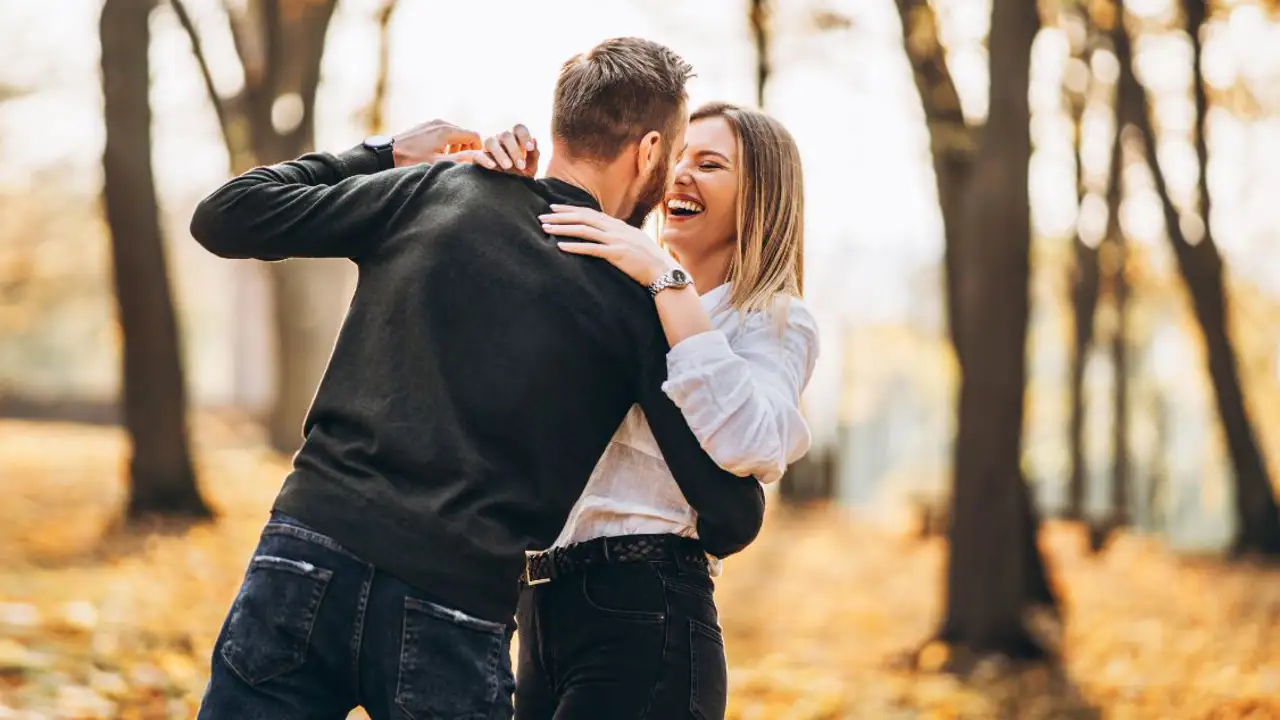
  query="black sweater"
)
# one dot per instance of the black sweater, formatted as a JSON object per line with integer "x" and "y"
{"x": 477, "y": 378}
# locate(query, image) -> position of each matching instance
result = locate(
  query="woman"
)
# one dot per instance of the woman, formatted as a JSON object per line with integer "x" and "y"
{"x": 613, "y": 638}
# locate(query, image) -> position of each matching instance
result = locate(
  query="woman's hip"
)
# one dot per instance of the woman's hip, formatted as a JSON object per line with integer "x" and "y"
{"x": 625, "y": 639}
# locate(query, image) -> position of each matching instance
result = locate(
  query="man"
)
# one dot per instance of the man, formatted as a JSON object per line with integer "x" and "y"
{"x": 477, "y": 379}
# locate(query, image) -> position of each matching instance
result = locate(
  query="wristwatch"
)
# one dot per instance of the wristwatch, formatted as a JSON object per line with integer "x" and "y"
{"x": 380, "y": 145}
{"x": 673, "y": 278}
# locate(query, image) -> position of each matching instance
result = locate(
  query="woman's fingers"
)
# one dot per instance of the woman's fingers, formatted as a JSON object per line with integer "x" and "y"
{"x": 584, "y": 232}
{"x": 587, "y": 248}
{"x": 571, "y": 215}
{"x": 495, "y": 148}
{"x": 563, "y": 217}
{"x": 525, "y": 138}
{"x": 515, "y": 149}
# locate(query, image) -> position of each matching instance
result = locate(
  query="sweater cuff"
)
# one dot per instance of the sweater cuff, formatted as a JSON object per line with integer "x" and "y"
{"x": 358, "y": 160}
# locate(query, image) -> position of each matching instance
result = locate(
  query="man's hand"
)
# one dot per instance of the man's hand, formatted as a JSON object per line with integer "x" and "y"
{"x": 434, "y": 141}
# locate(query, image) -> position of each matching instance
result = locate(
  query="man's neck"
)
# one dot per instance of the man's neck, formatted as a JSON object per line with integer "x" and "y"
{"x": 592, "y": 178}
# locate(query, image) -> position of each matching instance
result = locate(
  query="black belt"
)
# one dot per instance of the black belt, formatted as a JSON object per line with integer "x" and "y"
{"x": 543, "y": 567}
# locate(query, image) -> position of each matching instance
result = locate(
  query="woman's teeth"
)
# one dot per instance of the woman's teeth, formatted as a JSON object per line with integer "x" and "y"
{"x": 683, "y": 208}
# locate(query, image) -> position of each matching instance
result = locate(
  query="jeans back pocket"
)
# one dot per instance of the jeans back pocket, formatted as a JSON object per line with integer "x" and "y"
{"x": 269, "y": 626}
{"x": 709, "y": 674}
{"x": 453, "y": 666}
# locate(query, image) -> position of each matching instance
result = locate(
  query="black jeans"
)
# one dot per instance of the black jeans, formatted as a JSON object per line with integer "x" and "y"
{"x": 315, "y": 631}
{"x": 637, "y": 641}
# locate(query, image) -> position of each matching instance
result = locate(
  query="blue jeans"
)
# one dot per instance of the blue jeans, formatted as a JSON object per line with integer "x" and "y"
{"x": 316, "y": 631}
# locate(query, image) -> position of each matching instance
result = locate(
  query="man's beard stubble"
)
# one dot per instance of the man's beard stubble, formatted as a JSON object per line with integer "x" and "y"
{"x": 655, "y": 189}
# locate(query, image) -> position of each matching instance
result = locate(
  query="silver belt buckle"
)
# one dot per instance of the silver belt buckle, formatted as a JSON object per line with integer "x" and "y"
{"x": 528, "y": 580}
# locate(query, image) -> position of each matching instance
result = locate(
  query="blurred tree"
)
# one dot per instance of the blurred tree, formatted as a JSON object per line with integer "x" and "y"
{"x": 1112, "y": 257}
{"x": 995, "y": 576}
{"x": 280, "y": 44}
{"x": 1105, "y": 268}
{"x": 953, "y": 142}
{"x": 377, "y": 123}
{"x": 154, "y": 396}
{"x": 1084, "y": 281}
{"x": 759, "y": 15}
{"x": 812, "y": 478}
{"x": 1201, "y": 267}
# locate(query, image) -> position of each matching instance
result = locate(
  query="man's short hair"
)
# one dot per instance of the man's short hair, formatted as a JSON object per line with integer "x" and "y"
{"x": 617, "y": 92}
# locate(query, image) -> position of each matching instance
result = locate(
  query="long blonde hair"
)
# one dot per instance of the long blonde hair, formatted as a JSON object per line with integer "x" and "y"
{"x": 768, "y": 257}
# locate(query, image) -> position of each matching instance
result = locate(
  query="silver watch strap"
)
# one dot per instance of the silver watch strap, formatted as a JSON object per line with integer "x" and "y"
{"x": 666, "y": 280}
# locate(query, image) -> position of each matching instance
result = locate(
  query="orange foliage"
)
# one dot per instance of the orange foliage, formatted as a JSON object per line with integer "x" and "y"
{"x": 815, "y": 614}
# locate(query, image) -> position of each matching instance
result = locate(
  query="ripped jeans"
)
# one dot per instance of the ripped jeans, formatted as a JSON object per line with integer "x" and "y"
{"x": 315, "y": 631}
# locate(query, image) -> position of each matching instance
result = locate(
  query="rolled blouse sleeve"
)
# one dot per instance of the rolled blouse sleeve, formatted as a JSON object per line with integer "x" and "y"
{"x": 742, "y": 398}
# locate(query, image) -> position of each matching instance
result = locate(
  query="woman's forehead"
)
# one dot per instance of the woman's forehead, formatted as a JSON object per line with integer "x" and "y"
{"x": 711, "y": 134}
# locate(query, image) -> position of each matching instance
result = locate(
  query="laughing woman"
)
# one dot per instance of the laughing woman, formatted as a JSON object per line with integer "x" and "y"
{"x": 617, "y": 620}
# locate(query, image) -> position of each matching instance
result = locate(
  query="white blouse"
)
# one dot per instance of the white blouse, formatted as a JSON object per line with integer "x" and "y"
{"x": 739, "y": 388}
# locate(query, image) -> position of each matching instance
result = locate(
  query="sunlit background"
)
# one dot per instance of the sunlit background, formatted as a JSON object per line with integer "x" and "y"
{"x": 881, "y": 403}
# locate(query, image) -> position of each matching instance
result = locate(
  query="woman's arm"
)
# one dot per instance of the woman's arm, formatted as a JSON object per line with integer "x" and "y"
{"x": 681, "y": 313}
{"x": 742, "y": 401}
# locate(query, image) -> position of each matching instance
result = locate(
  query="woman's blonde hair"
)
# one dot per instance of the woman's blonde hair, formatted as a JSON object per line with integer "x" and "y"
{"x": 768, "y": 258}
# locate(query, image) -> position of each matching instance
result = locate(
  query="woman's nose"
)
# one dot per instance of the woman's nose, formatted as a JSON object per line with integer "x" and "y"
{"x": 682, "y": 174}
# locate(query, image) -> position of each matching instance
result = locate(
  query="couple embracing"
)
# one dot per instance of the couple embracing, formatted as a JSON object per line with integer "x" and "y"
{"x": 534, "y": 416}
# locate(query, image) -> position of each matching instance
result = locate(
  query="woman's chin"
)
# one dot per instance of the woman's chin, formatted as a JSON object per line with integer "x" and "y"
{"x": 674, "y": 228}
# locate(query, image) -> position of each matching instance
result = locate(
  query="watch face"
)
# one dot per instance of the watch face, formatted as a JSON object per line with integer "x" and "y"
{"x": 679, "y": 277}
{"x": 377, "y": 141}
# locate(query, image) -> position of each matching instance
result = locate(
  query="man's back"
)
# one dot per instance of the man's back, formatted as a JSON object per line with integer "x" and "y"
{"x": 477, "y": 379}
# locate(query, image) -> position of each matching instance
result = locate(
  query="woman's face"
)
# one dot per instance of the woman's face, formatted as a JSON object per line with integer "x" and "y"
{"x": 701, "y": 210}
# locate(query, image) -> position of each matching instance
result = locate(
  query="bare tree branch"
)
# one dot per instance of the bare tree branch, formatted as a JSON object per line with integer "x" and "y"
{"x": 248, "y": 46}
{"x": 197, "y": 49}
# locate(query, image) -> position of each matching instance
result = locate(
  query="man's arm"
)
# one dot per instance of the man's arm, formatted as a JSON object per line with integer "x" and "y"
{"x": 730, "y": 508}
{"x": 323, "y": 205}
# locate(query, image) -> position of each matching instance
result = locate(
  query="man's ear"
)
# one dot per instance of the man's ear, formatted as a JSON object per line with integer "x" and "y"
{"x": 647, "y": 155}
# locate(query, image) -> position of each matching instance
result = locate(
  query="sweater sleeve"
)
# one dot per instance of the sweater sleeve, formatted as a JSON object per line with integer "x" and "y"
{"x": 320, "y": 205}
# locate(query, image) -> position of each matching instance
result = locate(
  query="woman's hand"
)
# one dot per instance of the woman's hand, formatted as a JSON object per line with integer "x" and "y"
{"x": 513, "y": 151}
{"x": 627, "y": 248}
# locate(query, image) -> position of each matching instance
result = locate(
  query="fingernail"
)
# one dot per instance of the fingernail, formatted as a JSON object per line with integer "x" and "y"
{"x": 529, "y": 145}
{"x": 520, "y": 164}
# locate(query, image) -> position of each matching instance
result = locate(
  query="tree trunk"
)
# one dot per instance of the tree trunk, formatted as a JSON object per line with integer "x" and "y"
{"x": 953, "y": 143}
{"x": 280, "y": 44}
{"x": 992, "y": 574}
{"x": 1257, "y": 515}
{"x": 154, "y": 396}
{"x": 1201, "y": 267}
{"x": 1113, "y": 253}
{"x": 1084, "y": 296}
{"x": 1119, "y": 283}
{"x": 378, "y": 103}
{"x": 758, "y": 16}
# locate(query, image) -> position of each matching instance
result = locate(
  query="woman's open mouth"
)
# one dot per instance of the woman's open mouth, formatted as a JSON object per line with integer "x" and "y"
{"x": 683, "y": 209}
